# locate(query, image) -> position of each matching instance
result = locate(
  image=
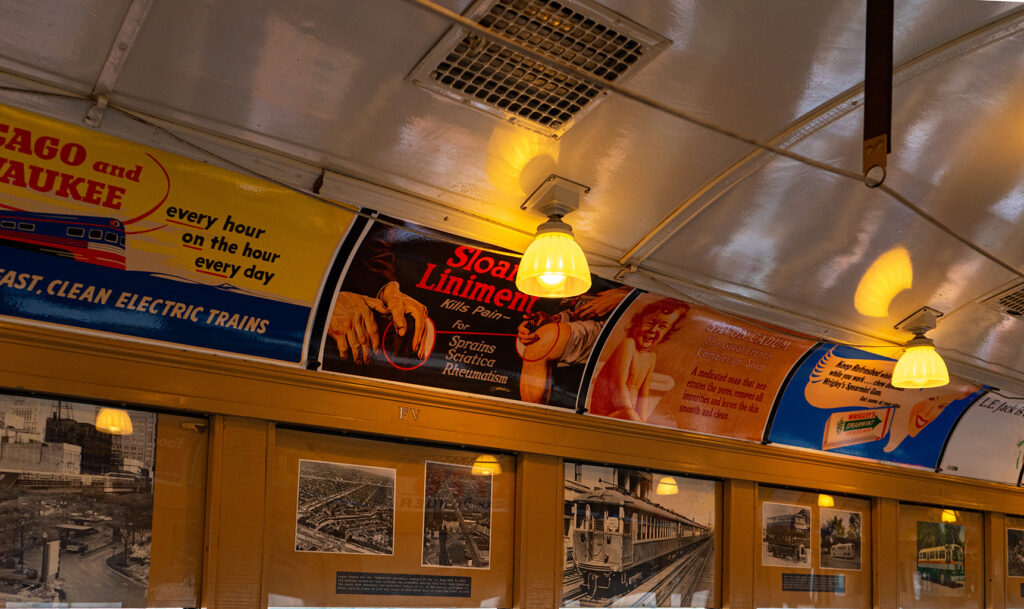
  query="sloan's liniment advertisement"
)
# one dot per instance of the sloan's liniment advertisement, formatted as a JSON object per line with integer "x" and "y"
{"x": 421, "y": 309}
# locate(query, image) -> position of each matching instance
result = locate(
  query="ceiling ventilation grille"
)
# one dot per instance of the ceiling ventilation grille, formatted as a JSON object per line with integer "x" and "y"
{"x": 1009, "y": 301}
{"x": 498, "y": 79}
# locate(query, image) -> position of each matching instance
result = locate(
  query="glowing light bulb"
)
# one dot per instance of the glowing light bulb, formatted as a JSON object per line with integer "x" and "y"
{"x": 554, "y": 265}
{"x": 920, "y": 367}
{"x": 551, "y": 279}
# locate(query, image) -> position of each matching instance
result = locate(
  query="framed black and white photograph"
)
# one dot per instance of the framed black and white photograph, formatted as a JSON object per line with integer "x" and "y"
{"x": 637, "y": 538}
{"x": 345, "y": 508}
{"x": 1015, "y": 552}
{"x": 785, "y": 535}
{"x": 840, "y": 539}
{"x": 76, "y": 503}
{"x": 456, "y": 517}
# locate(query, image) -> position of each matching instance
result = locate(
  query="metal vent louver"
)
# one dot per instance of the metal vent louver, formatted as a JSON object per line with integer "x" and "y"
{"x": 501, "y": 81}
{"x": 1008, "y": 300}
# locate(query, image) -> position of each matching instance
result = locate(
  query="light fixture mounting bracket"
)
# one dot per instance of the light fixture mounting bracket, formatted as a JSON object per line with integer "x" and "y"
{"x": 920, "y": 321}
{"x": 556, "y": 196}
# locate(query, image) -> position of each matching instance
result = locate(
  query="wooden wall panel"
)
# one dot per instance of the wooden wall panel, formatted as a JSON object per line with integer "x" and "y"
{"x": 740, "y": 501}
{"x": 233, "y": 574}
{"x": 538, "y": 555}
{"x": 179, "y": 502}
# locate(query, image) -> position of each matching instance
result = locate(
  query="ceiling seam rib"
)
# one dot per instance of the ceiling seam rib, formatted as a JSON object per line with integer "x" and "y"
{"x": 715, "y": 128}
{"x": 131, "y": 25}
{"x": 811, "y": 123}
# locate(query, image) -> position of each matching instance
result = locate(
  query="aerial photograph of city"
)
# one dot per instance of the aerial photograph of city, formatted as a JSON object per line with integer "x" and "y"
{"x": 76, "y": 505}
{"x": 456, "y": 517}
{"x": 345, "y": 508}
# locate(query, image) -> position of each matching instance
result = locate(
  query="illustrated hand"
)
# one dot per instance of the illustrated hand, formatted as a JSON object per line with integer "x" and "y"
{"x": 526, "y": 332}
{"x": 398, "y": 306}
{"x": 353, "y": 327}
{"x": 602, "y": 303}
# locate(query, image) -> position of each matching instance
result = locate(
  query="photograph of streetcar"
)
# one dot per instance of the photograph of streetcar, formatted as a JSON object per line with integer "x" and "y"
{"x": 345, "y": 508}
{"x": 76, "y": 506}
{"x": 1015, "y": 552}
{"x": 840, "y": 539}
{"x": 637, "y": 538}
{"x": 940, "y": 554}
{"x": 785, "y": 535}
{"x": 456, "y": 517}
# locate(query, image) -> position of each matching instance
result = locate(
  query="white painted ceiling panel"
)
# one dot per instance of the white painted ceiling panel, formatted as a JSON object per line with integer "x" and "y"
{"x": 323, "y": 83}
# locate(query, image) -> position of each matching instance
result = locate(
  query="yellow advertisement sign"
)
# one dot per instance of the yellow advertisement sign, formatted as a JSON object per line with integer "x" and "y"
{"x": 109, "y": 235}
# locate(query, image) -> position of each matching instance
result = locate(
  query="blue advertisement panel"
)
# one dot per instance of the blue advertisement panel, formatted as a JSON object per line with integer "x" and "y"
{"x": 839, "y": 400}
{"x": 106, "y": 235}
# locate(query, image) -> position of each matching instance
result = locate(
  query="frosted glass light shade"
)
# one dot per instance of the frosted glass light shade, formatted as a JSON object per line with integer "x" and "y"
{"x": 486, "y": 465}
{"x": 667, "y": 486}
{"x": 920, "y": 367}
{"x": 826, "y": 501}
{"x": 554, "y": 265}
{"x": 114, "y": 421}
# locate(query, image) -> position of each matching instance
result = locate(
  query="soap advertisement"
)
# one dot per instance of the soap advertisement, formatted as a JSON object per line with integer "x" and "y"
{"x": 675, "y": 364}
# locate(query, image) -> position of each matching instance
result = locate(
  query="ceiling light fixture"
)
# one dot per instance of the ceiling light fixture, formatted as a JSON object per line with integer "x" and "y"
{"x": 554, "y": 265}
{"x": 667, "y": 486}
{"x": 920, "y": 366}
{"x": 114, "y": 421}
{"x": 486, "y": 465}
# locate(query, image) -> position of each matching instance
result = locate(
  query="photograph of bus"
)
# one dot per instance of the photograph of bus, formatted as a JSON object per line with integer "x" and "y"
{"x": 786, "y": 535}
{"x": 840, "y": 539}
{"x": 940, "y": 553}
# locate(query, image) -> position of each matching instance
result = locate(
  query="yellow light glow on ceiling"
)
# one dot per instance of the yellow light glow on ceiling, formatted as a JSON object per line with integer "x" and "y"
{"x": 888, "y": 275}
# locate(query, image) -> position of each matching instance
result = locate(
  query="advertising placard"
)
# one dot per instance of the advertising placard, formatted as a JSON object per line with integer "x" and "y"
{"x": 104, "y": 234}
{"x": 676, "y": 364}
{"x": 988, "y": 441}
{"x": 422, "y": 308}
{"x": 840, "y": 400}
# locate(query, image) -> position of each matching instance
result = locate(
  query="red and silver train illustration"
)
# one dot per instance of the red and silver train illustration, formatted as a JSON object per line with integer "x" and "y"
{"x": 92, "y": 239}
{"x": 619, "y": 539}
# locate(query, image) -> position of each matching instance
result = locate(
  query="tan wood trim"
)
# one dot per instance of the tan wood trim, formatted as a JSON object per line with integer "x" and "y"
{"x": 537, "y": 580}
{"x": 268, "y": 495}
{"x": 214, "y": 464}
{"x": 739, "y": 541}
{"x": 48, "y": 361}
{"x": 995, "y": 560}
{"x": 885, "y": 559}
{"x": 241, "y": 519}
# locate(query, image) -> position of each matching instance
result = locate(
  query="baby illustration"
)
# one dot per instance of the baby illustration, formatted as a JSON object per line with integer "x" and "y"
{"x": 622, "y": 387}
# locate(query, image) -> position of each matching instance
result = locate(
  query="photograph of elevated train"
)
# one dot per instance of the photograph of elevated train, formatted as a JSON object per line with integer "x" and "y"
{"x": 637, "y": 538}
